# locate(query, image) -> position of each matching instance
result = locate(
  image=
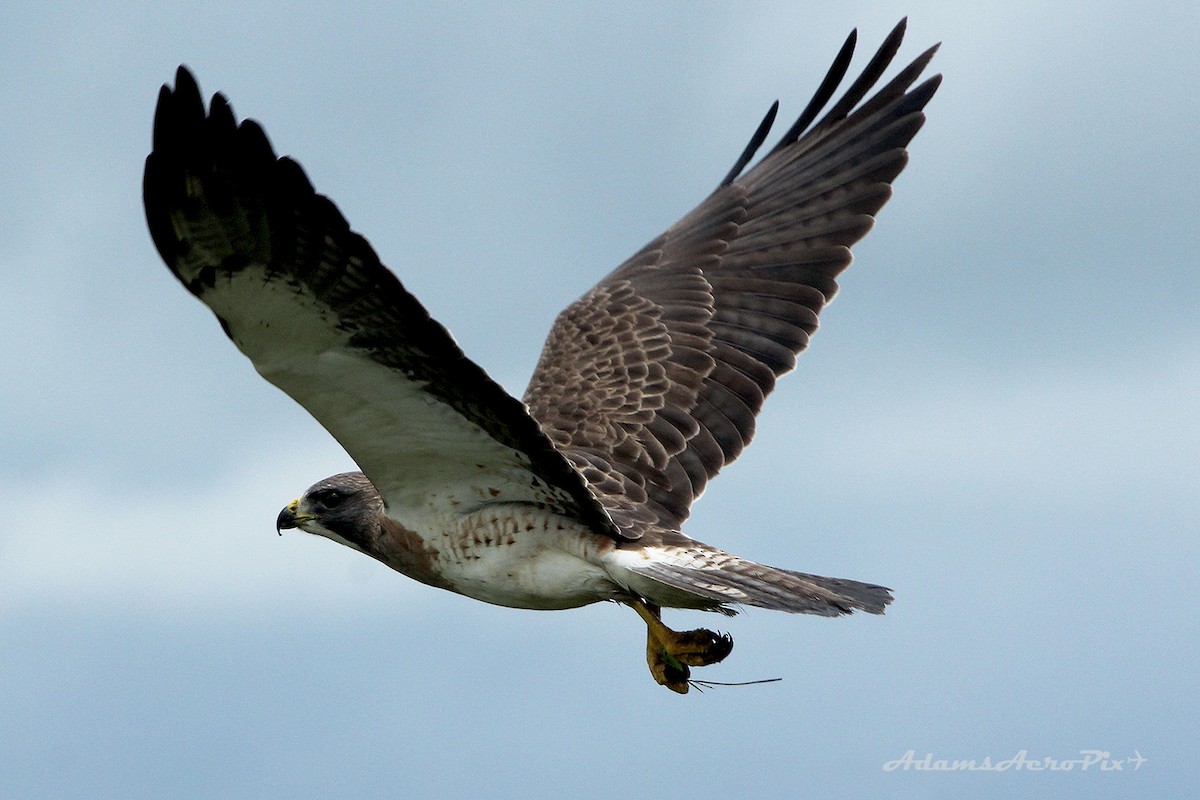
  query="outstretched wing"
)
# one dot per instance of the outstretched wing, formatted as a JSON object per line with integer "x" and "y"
{"x": 307, "y": 300}
{"x": 651, "y": 381}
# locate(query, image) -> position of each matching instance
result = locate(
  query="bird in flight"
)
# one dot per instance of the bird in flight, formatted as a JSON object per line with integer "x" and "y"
{"x": 647, "y": 385}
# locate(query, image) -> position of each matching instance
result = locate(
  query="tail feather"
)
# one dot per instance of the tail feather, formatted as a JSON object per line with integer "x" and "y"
{"x": 739, "y": 581}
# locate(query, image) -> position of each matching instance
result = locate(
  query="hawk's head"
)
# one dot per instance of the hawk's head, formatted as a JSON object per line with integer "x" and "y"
{"x": 345, "y": 508}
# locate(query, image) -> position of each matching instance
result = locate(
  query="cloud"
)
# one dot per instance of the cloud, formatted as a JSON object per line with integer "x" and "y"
{"x": 208, "y": 550}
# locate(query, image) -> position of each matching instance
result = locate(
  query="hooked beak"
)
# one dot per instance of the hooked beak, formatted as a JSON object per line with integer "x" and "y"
{"x": 287, "y": 518}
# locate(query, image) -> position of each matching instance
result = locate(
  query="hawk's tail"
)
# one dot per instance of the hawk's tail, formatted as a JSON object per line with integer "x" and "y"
{"x": 727, "y": 579}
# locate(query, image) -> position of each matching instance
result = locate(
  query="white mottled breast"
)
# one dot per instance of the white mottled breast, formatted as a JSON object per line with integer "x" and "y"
{"x": 523, "y": 557}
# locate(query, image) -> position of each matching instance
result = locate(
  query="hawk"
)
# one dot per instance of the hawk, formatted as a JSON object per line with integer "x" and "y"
{"x": 647, "y": 386}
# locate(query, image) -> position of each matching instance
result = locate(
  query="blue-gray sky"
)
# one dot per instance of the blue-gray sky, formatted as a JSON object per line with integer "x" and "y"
{"x": 998, "y": 418}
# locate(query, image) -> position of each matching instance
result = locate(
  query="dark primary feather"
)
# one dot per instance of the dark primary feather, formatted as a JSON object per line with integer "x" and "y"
{"x": 651, "y": 381}
{"x": 218, "y": 202}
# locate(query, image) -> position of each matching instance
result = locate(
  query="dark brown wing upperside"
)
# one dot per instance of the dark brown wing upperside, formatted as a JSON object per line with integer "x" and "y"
{"x": 650, "y": 383}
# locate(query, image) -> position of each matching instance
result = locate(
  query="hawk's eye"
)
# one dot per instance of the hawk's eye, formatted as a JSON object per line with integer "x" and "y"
{"x": 329, "y": 498}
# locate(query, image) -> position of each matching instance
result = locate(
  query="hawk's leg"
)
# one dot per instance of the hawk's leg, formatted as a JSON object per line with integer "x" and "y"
{"x": 670, "y": 653}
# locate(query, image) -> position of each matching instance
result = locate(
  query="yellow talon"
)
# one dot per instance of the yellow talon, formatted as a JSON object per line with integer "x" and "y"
{"x": 670, "y": 654}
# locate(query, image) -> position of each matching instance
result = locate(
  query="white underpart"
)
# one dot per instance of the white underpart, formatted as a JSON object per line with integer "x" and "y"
{"x": 524, "y": 558}
{"x": 628, "y": 568}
